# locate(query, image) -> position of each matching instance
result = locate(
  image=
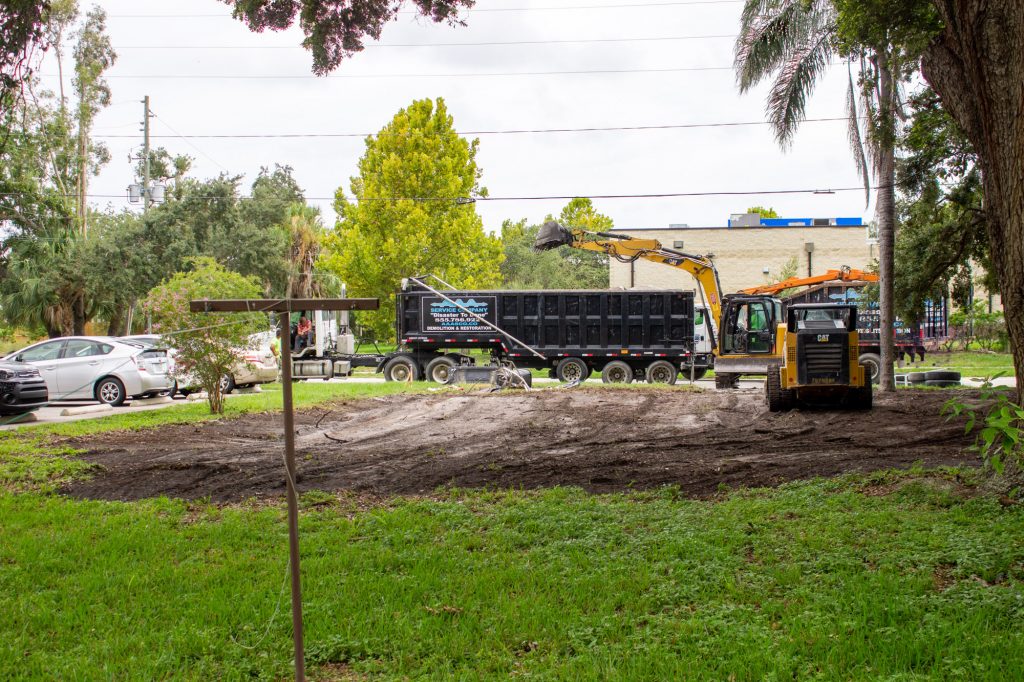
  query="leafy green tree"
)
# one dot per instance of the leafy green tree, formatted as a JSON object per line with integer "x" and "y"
{"x": 763, "y": 212}
{"x": 23, "y": 25}
{"x": 562, "y": 268}
{"x": 207, "y": 344}
{"x": 942, "y": 236}
{"x": 335, "y": 30}
{"x": 975, "y": 66}
{"x": 794, "y": 42}
{"x": 412, "y": 213}
{"x": 305, "y": 238}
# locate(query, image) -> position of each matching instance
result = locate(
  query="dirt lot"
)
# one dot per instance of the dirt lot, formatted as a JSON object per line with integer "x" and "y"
{"x": 601, "y": 440}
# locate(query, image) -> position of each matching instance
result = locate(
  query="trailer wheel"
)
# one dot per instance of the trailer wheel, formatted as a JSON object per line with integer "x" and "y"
{"x": 662, "y": 372}
{"x": 402, "y": 368}
{"x": 572, "y": 369}
{"x": 873, "y": 364}
{"x": 617, "y": 372}
{"x": 441, "y": 369}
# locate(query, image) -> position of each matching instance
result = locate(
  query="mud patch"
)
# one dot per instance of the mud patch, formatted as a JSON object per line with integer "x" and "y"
{"x": 600, "y": 440}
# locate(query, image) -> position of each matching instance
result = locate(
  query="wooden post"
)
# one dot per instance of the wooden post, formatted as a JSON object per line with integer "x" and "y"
{"x": 284, "y": 308}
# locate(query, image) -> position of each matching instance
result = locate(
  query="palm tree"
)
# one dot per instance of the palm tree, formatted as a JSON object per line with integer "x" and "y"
{"x": 305, "y": 233}
{"x": 794, "y": 42}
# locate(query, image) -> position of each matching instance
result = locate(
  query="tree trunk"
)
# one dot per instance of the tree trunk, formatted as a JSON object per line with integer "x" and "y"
{"x": 78, "y": 316}
{"x": 976, "y": 66}
{"x": 118, "y": 323}
{"x": 886, "y": 208}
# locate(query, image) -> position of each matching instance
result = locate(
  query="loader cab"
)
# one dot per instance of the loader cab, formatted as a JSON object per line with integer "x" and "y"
{"x": 822, "y": 334}
{"x": 749, "y": 325}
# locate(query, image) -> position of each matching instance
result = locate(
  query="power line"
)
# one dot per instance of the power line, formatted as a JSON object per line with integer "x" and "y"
{"x": 474, "y": 10}
{"x": 521, "y": 131}
{"x": 464, "y": 200}
{"x": 476, "y": 44}
{"x": 494, "y": 74}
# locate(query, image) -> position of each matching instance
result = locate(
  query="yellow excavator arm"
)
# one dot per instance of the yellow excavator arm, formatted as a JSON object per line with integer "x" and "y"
{"x": 626, "y": 249}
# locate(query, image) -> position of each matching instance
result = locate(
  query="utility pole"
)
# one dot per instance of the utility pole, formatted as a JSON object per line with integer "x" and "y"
{"x": 146, "y": 197}
{"x": 284, "y": 308}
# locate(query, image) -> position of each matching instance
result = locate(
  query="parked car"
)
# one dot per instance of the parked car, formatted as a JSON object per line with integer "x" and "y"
{"x": 257, "y": 365}
{"x": 22, "y": 388}
{"x": 98, "y": 368}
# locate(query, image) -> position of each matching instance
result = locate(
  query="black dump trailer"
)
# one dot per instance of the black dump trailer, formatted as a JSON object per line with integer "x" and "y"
{"x": 625, "y": 335}
{"x": 910, "y": 339}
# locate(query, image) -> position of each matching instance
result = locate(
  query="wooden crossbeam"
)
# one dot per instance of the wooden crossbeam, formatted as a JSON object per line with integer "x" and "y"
{"x": 280, "y": 305}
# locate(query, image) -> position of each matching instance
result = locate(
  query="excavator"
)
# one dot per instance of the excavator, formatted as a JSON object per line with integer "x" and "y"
{"x": 843, "y": 275}
{"x": 744, "y": 330}
{"x": 809, "y": 357}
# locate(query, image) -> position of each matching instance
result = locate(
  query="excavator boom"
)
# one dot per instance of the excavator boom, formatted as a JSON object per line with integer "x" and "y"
{"x": 844, "y": 274}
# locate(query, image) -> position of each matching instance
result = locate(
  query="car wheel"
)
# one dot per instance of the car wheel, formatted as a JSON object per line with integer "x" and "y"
{"x": 227, "y": 384}
{"x": 110, "y": 391}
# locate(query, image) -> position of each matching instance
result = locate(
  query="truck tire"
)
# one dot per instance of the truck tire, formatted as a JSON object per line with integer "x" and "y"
{"x": 572, "y": 369}
{"x": 941, "y": 375}
{"x": 402, "y": 368}
{"x": 873, "y": 364}
{"x": 440, "y": 370}
{"x": 777, "y": 398}
{"x": 917, "y": 377}
{"x": 662, "y": 372}
{"x": 617, "y": 372}
{"x": 941, "y": 383}
{"x": 724, "y": 380}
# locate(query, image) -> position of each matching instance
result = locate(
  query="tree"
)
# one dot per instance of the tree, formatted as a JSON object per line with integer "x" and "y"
{"x": 942, "y": 236}
{"x": 412, "y": 213}
{"x": 23, "y": 26}
{"x": 305, "y": 237}
{"x": 763, "y": 212}
{"x": 975, "y": 66}
{"x": 335, "y": 30}
{"x": 796, "y": 40}
{"x": 206, "y": 344}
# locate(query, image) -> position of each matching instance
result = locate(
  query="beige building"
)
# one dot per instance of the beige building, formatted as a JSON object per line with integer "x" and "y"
{"x": 748, "y": 256}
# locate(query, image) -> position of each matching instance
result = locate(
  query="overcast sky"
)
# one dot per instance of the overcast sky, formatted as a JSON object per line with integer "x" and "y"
{"x": 206, "y": 74}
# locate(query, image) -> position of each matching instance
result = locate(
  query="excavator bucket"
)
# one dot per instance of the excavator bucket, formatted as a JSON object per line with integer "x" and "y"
{"x": 551, "y": 236}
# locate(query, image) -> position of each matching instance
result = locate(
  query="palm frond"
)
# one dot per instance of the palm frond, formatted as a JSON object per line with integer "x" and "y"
{"x": 856, "y": 139}
{"x": 787, "y": 100}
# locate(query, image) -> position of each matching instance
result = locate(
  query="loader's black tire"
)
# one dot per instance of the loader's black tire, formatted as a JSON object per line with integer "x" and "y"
{"x": 617, "y": 372}
{"x": 942, "y": 375}
{"x": 862, "y": 398}
{"x": 941, "y": 383}
{"x": 662, "y": 372}
{"x": 572, "y": 369}
{"x": 777, "y": 398}
{"x": 917, "y": 377}
{"x": 724, "y": 380}
{"x": 402, "y": 368}
{"x": 440, "y": 370}
{"x": 873, "y": 366}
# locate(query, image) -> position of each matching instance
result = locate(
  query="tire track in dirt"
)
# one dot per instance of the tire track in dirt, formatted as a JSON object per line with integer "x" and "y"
{"x": 601, "y": 440}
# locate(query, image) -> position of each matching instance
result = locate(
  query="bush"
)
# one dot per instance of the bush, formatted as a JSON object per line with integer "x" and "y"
{"x": 207, "y": 344}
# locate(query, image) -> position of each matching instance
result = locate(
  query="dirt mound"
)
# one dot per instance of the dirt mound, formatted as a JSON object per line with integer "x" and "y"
{"x": 601, "y": 440}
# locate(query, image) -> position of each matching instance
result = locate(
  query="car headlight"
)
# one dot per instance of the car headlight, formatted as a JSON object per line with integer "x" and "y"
{"x": 5, "y": 375}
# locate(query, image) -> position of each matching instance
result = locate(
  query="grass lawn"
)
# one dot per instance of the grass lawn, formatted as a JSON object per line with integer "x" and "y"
{"x": 969, "y": 363}
{"x": 912, "y": 575}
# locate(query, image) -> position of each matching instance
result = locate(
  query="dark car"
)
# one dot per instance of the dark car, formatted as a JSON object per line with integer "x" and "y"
{"x": 22, "y": 389}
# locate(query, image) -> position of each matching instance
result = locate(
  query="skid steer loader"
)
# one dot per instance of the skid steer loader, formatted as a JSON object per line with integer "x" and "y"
{"x": 819, "y": 360}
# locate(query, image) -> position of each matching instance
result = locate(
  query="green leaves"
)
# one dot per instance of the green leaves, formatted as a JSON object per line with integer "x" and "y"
{"x": 407, "y": 215}
{"x": 1002, "y": 419}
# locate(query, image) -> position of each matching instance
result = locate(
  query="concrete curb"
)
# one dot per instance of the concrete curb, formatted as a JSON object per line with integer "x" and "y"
{"x": 26, "y": 418}
{"x": 159, "y": 400}
{"x": 85, "y": 409}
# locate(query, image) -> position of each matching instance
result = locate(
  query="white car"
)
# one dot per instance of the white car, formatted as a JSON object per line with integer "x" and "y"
{"x": 256, "y": 365}
{"x": 98, "y": 368}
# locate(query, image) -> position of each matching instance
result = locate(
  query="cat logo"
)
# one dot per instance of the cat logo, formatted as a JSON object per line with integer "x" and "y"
{"x": 822, "y": 338}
